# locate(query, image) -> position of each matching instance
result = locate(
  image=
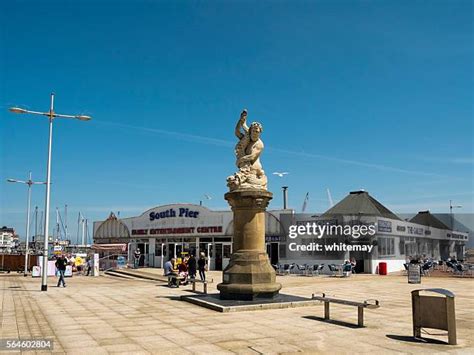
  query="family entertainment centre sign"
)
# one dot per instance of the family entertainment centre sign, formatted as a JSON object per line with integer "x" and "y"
{"x": 177, "y": 220}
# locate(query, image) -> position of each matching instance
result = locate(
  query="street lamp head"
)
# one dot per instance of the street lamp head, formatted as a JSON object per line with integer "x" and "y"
{"x": 17, "y": 110}
{"x": 11, "y": 180}
{"x": 83, "y": 117}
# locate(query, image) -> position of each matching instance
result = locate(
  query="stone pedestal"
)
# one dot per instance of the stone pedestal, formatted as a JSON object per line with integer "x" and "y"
{"x": 249, "y": 274}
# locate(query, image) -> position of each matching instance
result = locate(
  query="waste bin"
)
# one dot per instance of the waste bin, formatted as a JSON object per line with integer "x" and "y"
{"x": 434, "y": 312}
{"x": 414, "y": 274}
{"x": 36, "y": 271}
{"x": 382, "y": 268}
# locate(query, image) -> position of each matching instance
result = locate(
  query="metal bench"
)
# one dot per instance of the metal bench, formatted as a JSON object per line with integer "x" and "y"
{"x": 172, "y": 278}
{"x": 360, "y": 306}
{"x": 204, "y": 283}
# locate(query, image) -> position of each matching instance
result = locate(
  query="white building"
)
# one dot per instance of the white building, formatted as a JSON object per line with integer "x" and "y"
{"x": 166, "y": 231}
{"x": 8, "y": 239}
{"x": 394, "y": 241}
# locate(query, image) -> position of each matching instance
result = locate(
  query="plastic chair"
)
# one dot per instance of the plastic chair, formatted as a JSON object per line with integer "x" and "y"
{"x": 320, "y": 268}
{"x": 301, "y": 268}
{"x": 314, "y": 269}
{"x": 334, "y": 269}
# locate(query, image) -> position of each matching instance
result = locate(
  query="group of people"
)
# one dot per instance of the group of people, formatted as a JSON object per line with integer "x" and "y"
{"x": 185, "y": 270}
{"x": 76, "y": 263}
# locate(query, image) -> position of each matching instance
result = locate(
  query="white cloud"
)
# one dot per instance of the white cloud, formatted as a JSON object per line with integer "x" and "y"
{"x": 224, "y": 143}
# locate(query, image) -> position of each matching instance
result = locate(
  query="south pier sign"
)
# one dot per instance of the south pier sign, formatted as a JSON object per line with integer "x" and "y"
{"x": 172, "y": 213}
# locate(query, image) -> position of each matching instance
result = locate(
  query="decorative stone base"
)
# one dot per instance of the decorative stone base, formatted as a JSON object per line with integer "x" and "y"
{"x": 249, "y": 274}
{"x": 280, "y": 301}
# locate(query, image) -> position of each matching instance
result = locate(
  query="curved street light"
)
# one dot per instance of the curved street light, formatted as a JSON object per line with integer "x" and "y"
{"x": 51, "y": 115}
{"x": 28, "y": 182}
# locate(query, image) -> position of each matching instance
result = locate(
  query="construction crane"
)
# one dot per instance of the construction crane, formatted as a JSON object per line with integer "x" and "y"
{"x": 331, "y": 203}
{"x": 305, "y": 203}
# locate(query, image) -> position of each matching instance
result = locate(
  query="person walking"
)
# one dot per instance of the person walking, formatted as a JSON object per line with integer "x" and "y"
{"x": 136, "y": 258}
{"x": 192, "y": 266}
{"x": 89, "y": 265}
{"x": 202, "y": 266}
{"x": 61, "y": 266}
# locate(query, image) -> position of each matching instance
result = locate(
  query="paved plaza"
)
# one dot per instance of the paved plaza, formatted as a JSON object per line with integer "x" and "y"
{"x": 109, "y": 315}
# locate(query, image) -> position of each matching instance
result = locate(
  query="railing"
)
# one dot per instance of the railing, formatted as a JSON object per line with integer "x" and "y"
{"x": 110, "y": 261}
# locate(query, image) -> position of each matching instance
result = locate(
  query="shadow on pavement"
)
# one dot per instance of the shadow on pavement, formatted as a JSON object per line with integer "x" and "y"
{"x": 172, "y": 298}
{"x": 332, "y": 321}
{"x": 411, "y": 339}
{"x": 195, "y": 292}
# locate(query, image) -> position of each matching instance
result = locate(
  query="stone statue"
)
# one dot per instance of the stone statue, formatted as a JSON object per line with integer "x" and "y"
{"x": 248, "y": 151}
{"x": 249, "y": 274}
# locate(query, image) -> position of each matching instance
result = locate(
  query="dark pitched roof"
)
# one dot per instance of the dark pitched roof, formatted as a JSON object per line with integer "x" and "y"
{"x": 360, "y": 203}
{"x": 453, "y": 222}
{"x": 425, "y": 218}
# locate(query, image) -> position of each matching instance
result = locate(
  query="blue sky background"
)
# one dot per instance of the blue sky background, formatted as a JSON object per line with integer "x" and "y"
{"x": 352, "y": 94}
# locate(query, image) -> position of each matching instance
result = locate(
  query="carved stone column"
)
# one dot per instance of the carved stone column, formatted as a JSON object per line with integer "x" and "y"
{"x": 249, "y": 274}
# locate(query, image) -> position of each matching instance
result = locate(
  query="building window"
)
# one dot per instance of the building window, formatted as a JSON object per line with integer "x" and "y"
{"x": 410, "y": 249}
{"x": 227, "y": 251}
{"x": 282, "y": 250}
{"x": 386, "y": 246}
{"x": 158, "y": 249}
{"x": 401, "y": 246}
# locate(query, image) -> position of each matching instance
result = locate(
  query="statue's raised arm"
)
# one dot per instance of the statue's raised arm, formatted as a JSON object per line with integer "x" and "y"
{"x": 241, "y": 124}
{"x": 248, "y": 151}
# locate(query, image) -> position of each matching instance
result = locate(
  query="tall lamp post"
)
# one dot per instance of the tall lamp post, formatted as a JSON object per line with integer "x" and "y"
{"x": 451, "y": 206}
{"x": 51, "y": 116}
{"x": 28, "y": 182}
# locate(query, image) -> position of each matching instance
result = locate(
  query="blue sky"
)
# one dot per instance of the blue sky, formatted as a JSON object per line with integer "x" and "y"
{"x": 352, "y": 94}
